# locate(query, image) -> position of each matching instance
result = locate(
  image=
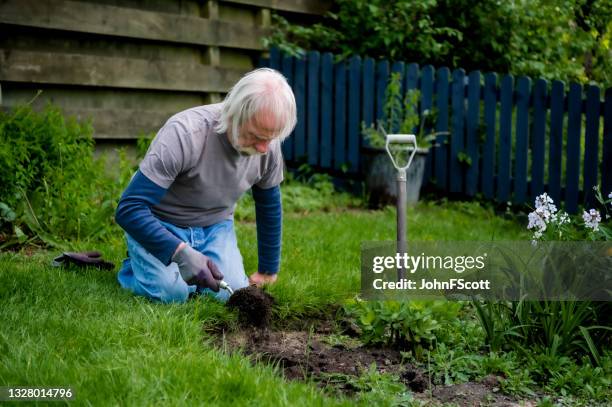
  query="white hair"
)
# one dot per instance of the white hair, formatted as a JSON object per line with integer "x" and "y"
{"x": 263, "y": 89}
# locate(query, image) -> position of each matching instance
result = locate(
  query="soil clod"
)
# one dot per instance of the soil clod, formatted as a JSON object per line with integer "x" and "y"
{"x": 254, "y": 306}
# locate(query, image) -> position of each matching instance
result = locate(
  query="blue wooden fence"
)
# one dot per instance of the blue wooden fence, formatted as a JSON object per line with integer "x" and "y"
{"x": 508, "y": 127}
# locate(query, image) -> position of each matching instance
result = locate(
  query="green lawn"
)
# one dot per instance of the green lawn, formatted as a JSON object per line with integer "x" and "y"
{"x": 61, "y": 328}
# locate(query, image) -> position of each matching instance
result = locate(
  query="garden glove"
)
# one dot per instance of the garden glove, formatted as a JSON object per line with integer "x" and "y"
{"x": 84, "y": 259}
{"x": 198, "y": 269}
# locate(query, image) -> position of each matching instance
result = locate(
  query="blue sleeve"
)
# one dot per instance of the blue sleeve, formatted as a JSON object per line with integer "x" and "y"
{"x": 268, "y": 214}
{"x": 135, "y": 217}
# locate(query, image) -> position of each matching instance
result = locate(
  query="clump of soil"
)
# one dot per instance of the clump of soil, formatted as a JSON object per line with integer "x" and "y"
{"x": 254, "y": 306}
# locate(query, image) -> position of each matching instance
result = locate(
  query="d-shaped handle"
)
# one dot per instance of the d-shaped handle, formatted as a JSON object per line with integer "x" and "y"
{"x": 402, "y": 139}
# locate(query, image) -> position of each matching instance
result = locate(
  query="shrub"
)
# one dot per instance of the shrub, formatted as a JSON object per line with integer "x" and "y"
{"x": 567, "y": 40}
{"x": 50, "y": 180}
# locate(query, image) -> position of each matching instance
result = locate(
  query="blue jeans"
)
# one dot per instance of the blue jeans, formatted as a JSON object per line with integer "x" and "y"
{"x": 143, "y": 274}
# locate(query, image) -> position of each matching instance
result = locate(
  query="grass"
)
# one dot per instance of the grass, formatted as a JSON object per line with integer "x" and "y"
{"x": 79, "y": 329}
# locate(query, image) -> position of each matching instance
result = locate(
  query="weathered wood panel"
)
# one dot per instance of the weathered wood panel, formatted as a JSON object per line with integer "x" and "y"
{"x": 296, "y": 6}
{"x": 120, "y": 124}
{"x": 95, "y": 56}
{"x": 17, "y": 38}
{"x": 85, "y": 70}
{"x": 130, "y": 23}
{"x": 100, "y": 98}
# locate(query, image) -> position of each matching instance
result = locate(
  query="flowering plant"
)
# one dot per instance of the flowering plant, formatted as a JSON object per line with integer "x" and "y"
{"x": 550, "y": 224}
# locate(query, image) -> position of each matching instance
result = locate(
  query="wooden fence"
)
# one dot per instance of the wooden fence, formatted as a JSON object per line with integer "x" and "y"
{"x": 129, "y": 65}
{"x": 522, "y": 137}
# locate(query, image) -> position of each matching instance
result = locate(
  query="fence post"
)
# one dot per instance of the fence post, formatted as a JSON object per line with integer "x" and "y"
{"x": 523, "y": 91}
{"x": 427, "y": 86}
{"x": 490, "y": 118}
{"x": 557, "y": 96}
{"x": 340, "y": 115}
{"x": 538, "y": 138}
{"x": 591, "y": 144}
{"x": 354, "y": 118}
{"x": 300, "y": 100}
{"x": 505, "y": 140}
{"x": 457, "y": 142}
{"x": 368, "y": 92}
{"x": 327, "y": 108}
{"x": 572, "y": 172}
{"x": 441, "y": 162}
{"x": 382, "y": 78}
{"x": 312, "y": 112}
{"x": 472, "y": 132}
{"x": 287, "y": 71}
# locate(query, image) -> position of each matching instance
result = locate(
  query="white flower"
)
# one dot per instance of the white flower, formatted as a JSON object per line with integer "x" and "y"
{"x": 610, "y": 195}
{"x": 536, "y": 221}
{"x": 560, "y": 218}
{"x": 592, "y": 219}
{"x": 563, "y": 218}
{"x": 543, "y": 200}
{"x": 545, "y": 214}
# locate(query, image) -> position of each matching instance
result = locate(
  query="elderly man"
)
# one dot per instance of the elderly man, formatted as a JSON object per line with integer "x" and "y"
{"x": 177, "y": 211}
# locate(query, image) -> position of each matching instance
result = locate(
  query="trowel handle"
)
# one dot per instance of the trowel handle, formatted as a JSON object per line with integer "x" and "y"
{"x": 401, "y": 138}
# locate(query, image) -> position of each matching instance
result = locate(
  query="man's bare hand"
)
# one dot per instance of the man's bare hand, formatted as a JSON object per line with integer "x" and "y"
{"x": 260, "y": 279}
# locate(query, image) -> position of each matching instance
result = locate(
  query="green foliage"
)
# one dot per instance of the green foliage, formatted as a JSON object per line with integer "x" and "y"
{"x": 142, "y": 144}
{"x": 400, "y": 30}
{"x": 555, "y": 40}
{"x": 408, "y": 325}
{"x": 51, "y": 186}
{"x": 553, "y": 328}
{"x": 371, "y": 386}
{"x": 303, "y": 192}
{"x": 459, "y": 358}
{"x": 401, "y": 115}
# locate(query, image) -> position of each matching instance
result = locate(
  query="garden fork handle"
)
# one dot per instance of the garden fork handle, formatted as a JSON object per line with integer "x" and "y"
{"x": 402, "y": 246}
{"x": 401, "y": 139}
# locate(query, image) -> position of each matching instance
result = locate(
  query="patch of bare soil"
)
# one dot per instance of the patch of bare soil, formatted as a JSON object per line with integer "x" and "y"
{"x": 315, "y": 354}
